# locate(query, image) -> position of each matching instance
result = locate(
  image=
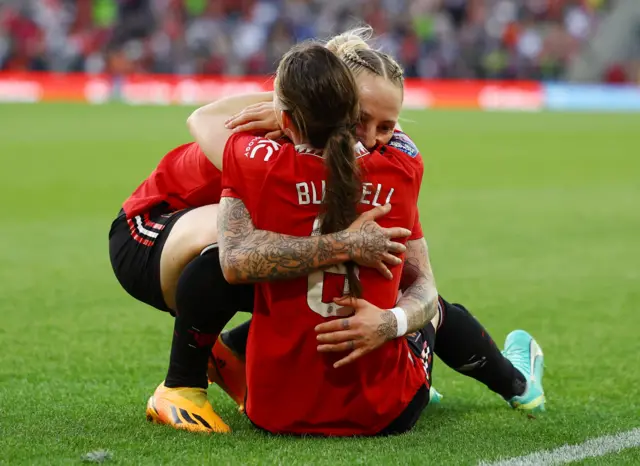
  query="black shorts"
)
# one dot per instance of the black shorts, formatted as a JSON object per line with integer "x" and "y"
{"x": 421, "y": 344}
{"x": 135, "y": 247}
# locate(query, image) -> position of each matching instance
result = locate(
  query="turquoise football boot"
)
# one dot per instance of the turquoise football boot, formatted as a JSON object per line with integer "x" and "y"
{"x": 526, "y": 355}
{"x": 434, "y": 396}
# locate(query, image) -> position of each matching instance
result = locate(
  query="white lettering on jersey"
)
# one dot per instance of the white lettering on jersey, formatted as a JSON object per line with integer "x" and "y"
{"x": 375, "y": 201}
{"x": 316, "y": 299}
{"x": 365, "y": 193}
{"x": 389, "y": 196}
{"x": 375, "y": 198}
{"x": 309, "y": 193}
{"x": 303, "y": 193}
{"x": 318, "y": 200}
{"x": 304, "y": 189}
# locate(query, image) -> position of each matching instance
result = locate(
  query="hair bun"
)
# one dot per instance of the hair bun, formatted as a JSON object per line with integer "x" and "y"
{"x": 350, "y": 41}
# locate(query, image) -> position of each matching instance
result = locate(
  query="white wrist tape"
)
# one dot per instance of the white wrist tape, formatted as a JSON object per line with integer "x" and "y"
{"x": 401, "y": 319}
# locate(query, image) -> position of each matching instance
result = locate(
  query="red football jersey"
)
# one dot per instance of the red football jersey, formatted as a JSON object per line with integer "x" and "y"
{"x": 183, "y": 178}
{"x": 291, "y": 387}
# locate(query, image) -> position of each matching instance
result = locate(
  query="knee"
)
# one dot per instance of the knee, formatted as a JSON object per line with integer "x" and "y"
{"x": 206, "y": 235}
{"x": 197, "y": 238}
{"x": 194, "y": 231}
{"x": 201, "y": 283}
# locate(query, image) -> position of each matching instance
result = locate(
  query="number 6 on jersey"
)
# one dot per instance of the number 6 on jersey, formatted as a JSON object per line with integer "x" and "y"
{"x": 324, "y": 286}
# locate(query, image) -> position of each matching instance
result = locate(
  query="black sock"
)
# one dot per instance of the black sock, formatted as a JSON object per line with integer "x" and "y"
{"x": 466, "y": 347}
{"x": 205, "y": 303}
{"x": 236, "y": 338}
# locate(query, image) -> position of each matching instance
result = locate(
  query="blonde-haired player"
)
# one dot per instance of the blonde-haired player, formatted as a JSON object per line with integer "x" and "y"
{"x": 462, "y": 342}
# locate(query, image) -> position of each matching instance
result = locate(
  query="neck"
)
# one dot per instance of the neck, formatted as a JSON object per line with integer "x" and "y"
{"x": 295, "y": 138}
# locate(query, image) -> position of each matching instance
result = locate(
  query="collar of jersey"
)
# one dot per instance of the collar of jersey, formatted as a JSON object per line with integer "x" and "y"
{"x": 307, "y": 149}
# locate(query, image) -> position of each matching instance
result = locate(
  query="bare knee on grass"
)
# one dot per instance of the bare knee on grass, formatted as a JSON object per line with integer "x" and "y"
{"x": 191, "y": 233}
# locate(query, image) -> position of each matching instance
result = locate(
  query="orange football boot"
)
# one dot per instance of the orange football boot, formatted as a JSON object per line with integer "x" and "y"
{"x": 227, "y": 369}
{"x": 184, "y": 408}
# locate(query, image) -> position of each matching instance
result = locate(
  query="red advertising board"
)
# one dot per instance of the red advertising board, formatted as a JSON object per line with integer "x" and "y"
{"x": 181, "y": 90}
{"x": 486, "y": 95}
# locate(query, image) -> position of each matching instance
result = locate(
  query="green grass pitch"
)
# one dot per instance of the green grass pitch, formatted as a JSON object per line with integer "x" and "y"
{"x": 533, "y": 222}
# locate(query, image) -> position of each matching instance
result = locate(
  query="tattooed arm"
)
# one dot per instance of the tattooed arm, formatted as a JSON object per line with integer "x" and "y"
{"x": 370, "y": 327}
{"x": 249, "y": 255}
{"x": 419, "y": 294}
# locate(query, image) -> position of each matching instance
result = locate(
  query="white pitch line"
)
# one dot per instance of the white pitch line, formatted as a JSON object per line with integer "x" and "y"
{"x": 592, "y": 448}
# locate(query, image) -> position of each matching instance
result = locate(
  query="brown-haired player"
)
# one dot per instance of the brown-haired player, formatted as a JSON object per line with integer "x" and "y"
{"x": 316, "y": 183}
{"x": 462, "y": 342}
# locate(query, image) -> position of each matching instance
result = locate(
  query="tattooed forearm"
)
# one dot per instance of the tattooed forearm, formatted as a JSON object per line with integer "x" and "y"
{"x": 420, "y": 296}
{"x": 249, "y": 255}
{"x": 389, "y": 326}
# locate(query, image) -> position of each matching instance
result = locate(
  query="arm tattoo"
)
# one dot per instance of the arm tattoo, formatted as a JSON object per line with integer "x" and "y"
{"x": 389, "y": 326}
{"x": 420, "y": 296}
{"x": 369, "y": 244}
{"x": 250, "y": 255}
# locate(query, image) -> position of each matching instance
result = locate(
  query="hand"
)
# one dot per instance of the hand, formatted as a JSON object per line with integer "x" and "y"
{"x": 367, "y": 329}
{"x": 257, "y": 117}
{"x": 372, "y": 245}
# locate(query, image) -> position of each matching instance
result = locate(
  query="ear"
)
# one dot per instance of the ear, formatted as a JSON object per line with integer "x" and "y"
{"x": 286, "y": 123}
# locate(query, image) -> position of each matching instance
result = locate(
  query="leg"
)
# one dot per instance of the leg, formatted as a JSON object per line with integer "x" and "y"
{"x": 465, "y": 346}
{"x": 194, "y": 287}
{"x": 236, "y": 338}
{"x": 189, "y": 236}
{"x": 205, "y": 302}
{"x": 149, "y": 252}
{"x": 134, "y": 250}
{"x": 227, "y": 362}
{"x": 152, "y": 257}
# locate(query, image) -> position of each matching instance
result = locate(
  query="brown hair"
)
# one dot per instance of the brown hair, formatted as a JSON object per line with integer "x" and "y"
{"x": 353, "y": 48}
{"x": 320, "y": 94}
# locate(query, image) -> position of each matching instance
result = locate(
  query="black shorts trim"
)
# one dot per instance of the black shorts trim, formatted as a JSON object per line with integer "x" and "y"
{"x": 135, "y": 248}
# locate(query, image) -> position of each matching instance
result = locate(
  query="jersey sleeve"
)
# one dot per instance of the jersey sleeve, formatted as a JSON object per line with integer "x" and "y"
{"x": 244, "y": 162}
{"x": 416, "y": 231}
{"x": 404, "y": 143}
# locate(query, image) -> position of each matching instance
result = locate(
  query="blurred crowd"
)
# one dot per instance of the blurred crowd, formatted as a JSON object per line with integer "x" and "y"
{"x": 505, "y": 39}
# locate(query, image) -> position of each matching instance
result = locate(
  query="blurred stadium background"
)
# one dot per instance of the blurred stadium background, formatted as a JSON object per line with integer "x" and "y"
{"x": 531, "y": 212}
{"x": 119, "y": 43}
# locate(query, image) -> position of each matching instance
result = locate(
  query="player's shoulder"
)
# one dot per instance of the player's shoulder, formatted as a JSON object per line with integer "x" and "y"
{"x": 404, "y": 152}
{"x": 256, "y": 148}
{"x": 401, "y": 142}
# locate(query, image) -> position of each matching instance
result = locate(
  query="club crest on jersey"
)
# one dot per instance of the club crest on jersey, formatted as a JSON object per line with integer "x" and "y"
{"x": 404, "y": 143}
{"x": 261, "y": 148}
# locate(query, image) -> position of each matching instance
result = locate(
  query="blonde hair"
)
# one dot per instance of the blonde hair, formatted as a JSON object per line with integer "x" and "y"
{"x": 354, "y": 39}
{"x": 353, "y": 47}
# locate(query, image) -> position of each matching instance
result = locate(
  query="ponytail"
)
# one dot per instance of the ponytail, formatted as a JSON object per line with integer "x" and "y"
{"x": 342, "y": 192}
{"x": 320, "y": 93}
